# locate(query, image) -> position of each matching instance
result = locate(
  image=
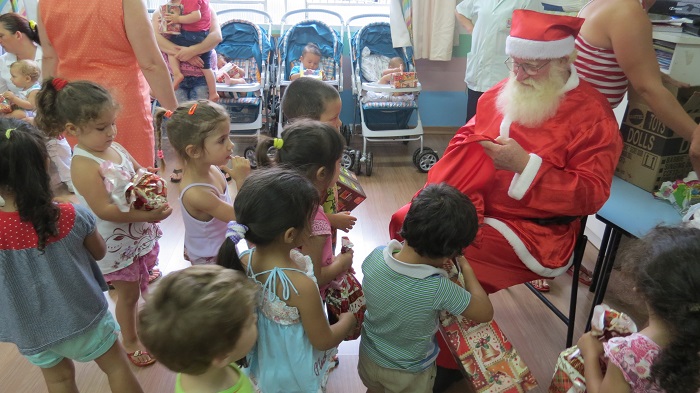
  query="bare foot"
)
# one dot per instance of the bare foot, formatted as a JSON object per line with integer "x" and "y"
{"x": 177, "y": 78}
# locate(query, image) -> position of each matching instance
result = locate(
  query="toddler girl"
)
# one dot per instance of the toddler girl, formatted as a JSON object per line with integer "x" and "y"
{"x": 664, "y": 356}
{"x": 87, "y": 111}
{"x": 199, "y": 133}
{"x": 51, "y": 299}
{"x": 295, "y": 344}
{"x": 25, "y": 75}
{"x": 314, "y": 149}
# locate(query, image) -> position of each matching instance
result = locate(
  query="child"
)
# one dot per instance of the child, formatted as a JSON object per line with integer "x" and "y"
{"x": 197, "y": 323}
{"x": 664, "y": 356}
{"x": 313, "y": 99}
{"x": 199, "y": 133}
{"x": 296, "y": 344}
{"x": 25, "y": 75}
{"x": 51, "y": 298}
{"x": 228, "y": 73}
{"x": 314, "y": 149}
{"x": 87, "y": 111}
{"x": 406, "y": 288}
{"x": 195, "y": 21}
{"x": 395, "y": 65}
{"x": 310, "y": 60}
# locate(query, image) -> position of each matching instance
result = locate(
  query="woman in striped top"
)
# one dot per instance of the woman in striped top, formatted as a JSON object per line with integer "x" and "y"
{"x": 614, "y": 46}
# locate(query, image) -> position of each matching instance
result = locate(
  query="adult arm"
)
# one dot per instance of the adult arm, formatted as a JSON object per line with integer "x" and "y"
{"x": 632, "y": 43}
{"x": 465, "y": 22}
{"x": 49, "y": 59}
{"x": 466, "y": 15}
{"x": 142, "y": 38}
{"x": 208, "y": 44}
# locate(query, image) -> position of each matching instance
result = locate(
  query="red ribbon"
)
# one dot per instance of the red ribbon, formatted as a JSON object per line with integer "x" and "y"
{"x": 59, "y": 83}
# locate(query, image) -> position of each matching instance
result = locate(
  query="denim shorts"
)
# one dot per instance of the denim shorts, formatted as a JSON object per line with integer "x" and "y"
{"x": 192, "y": 88}
{"x": 87, "y": 347}
{"x": 189, "y": 38}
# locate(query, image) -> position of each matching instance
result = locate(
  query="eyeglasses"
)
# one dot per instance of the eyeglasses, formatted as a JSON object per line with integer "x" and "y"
{"x": 528, "y": 68}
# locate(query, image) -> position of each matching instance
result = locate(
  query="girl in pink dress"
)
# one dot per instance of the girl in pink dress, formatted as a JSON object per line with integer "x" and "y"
{"x": 664, "y": 356}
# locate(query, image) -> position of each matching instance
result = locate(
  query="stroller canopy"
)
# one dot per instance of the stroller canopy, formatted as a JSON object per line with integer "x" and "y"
{"x": 296, "y": 38}
{"x": 242, "y": 40}
{"x": 377, "y": 37}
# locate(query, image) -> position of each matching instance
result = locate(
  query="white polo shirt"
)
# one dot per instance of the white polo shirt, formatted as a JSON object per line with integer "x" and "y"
{"x": 492, "y": 19}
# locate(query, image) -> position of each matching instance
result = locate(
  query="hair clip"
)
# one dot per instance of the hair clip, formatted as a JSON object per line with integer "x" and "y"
{"x": 192, "y": 109}
{"x": 235, "y": 231}
{"x": 7, "y": 133}
{"x": 168, "y": 114}
{"x": 32, "y": 24}
{"x": 278, "y": 143}
{"x": 59, "y": 83}
{"x": 160, "y": 154}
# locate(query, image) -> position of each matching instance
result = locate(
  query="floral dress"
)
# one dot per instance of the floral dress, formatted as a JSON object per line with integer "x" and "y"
{"x": 283, "y": 359}
{"x": 634, "y": 355}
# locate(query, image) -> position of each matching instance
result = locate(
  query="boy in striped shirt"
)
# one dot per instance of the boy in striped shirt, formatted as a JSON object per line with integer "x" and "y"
{"x": 406, "y": 288}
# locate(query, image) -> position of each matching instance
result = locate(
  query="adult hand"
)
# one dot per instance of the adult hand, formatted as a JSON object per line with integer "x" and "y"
{"x": 186, "y": 53}
{"x": 507, "y": 154}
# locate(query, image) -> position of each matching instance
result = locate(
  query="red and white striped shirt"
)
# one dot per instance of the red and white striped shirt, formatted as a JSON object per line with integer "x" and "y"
{"x": 599, "y": 67}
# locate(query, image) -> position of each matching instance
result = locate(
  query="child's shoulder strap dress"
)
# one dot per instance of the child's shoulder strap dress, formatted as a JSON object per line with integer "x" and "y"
{"x": 283, "y": 359}
{"x": 634, "y": 355}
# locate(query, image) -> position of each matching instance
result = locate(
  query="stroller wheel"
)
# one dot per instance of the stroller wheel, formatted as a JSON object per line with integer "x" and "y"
{"x": 359, "y": 159}
{"x": 348, "y": 160}
{"x": 249, "y": 154}
{"x": 426, "y": 160}
{"x": 417, "y": 152}
{"x": 369, "y": 163}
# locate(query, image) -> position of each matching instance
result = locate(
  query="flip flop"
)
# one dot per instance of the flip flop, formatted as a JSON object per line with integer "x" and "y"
{"x": 540, "y": 285}
{"x": 176, "y": 176}
{"x": 133, "y": 358}
{"x": 154, "y": 274}
{"x": 585, "y": 276}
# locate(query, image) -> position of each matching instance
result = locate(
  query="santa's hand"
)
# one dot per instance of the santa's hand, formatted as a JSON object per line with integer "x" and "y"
{"x": 507, "y": 154}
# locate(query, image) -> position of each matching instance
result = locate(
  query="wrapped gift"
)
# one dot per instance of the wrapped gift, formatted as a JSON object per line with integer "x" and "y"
{"x": 117, "y": 181}
{"x": 569, "y": 372}
{"x": 350, "y": 192}
{"x": 148, "y": 191}
{"x": 403, "y": 80}
{"x": 345, "y": 244}
{"x": 682, "y": 194}
{"x": 5, "y": 106}
{"x": 345, "y": 295}
{"x": 487, "y": 358}
{"x": 172, "y": 28}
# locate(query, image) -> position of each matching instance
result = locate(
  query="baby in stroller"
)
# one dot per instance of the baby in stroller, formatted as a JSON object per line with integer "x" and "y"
{"x": 228, "y": 72}
{"x": 396, "y": 64}
{"x": 309, "y": 62}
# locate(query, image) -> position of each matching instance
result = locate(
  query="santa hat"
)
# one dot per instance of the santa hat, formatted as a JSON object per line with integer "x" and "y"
{"x": 534, "y": 35}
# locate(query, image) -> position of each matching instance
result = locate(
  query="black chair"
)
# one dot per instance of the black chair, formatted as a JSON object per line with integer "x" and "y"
{"x": 577, "y": 259}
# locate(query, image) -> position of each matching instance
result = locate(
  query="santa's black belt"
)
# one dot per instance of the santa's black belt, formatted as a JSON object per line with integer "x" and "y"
{"x": 554, "y": 220}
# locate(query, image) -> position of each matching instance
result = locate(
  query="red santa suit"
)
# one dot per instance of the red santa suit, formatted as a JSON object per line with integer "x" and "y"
{"x": 529, "y": 219}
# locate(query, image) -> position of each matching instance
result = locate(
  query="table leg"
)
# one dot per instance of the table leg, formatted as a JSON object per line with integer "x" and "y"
{"x": 605, "y": 270}
{"x": 601, "y": 256}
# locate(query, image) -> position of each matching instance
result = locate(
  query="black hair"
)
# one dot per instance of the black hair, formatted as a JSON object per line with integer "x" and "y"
{"x": 307, "y": 146}
{"x": 307, "y": 97}
{"x": 14, "y": 22}
{"x": 440, "y": 222}
{"x": 270, "y": 201}
{"x": 311, "y": 48}
{"x": 77, "y": 102}
{"x": 23, "y": 173}
{"x": 665, "y": 267}
{"x": 189, "y": 125}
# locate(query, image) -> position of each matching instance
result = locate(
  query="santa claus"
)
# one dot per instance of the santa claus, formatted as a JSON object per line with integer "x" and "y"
{"x": 540, "y": 153}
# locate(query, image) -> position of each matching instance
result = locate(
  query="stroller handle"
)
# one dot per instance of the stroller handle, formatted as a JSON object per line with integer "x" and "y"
{"x": 307, "y": 10}
{"x": 356, "y": 17}
{"x": 268, "y": 18}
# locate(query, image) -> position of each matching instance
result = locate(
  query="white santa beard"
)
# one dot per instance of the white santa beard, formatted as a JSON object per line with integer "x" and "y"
{"x": 530, "y": 102}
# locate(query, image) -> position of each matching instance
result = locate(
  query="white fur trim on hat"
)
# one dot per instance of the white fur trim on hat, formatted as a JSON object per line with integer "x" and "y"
{"x": 536, "y": 50}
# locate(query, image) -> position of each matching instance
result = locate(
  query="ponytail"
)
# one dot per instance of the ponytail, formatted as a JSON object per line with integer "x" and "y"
{"x": 14, "y": 22}
{"x": 47, "y": 117}
{"x": 261, "y": 152}
{"x": 228, "y": 256}
{"x": 160, "y": 113}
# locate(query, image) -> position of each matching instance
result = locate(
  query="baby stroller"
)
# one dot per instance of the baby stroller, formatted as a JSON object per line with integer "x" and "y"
{"x": 246, "y": 45}
{"x": 329, "y": 41}
{"x": 385, "y": 116}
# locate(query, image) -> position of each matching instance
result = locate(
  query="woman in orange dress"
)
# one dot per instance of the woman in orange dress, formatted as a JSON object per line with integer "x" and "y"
{"x": 110, "y": 42}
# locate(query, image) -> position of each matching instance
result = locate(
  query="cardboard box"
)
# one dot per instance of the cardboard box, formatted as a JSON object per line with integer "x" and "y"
{"x": 350, "y": 192}
{"x": 405, "y": 80}
{"x": 652, "y": 152}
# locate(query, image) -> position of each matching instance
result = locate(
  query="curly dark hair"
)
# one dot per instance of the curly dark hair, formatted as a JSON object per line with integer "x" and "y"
{"x": 23, "y": 174}
{"x": 666, "y": 272}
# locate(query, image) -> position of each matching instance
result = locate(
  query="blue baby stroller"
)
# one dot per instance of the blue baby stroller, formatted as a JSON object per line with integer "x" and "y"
{"x": 248, "y": 46}
{"x": 385, "y": 111}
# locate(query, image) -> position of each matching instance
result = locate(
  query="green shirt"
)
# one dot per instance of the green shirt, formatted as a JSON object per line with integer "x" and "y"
{"x": 242, "y": 386}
